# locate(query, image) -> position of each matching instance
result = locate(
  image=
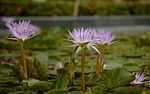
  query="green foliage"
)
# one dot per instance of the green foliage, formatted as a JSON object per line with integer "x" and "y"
{"x": 31, "y": 69}
{"x": 70, "y": 67}
{"x": 147, "y": 84}
{"x": 8, "y": 85}
{"x": 88, "y": 92}
{"x": 75, "y": 92}
{"x": 31, "y": 82}
{"x": 12, "y": 93}
{"x": 35, "y": 69}
{"x": 5, "y": 70}
{"x": 79, "y": 92}
{"x": 60, "y": 82}
{"x": 73, "y": 88}
{"x": 4, "y": 90}
{"x": 98, "y": 89}
{"x": 29, "y": 92}
{"x": 68, "y": 70}
{"x": 146, "y": 92}
{"x": 66, "y": 8}
{"x": 92, "y": 79}
{"x": 112, "y": 79}
{"x": 143, "y": 40}
{"x": 55, "y": 91}
{"x": 18, "y": 71}
{"x": 128, "y": 90}
{"x": 42, "y": 70}
{"x": 41, "y": 87}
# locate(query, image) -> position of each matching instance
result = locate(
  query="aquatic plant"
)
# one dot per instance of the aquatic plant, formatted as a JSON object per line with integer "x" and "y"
{"x": 112, "y": 79}
{"x": 67, "y": 78}
{"x": 83, "y": 39}
{"x": 7, "y": 20}
{"x": 139, "y": 78}
{"x": 22, "y": 31}
{"x": 103, "y": 38}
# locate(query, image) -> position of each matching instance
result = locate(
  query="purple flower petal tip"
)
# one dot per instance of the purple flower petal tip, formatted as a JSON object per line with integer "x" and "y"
{"x": 22, "y": 30}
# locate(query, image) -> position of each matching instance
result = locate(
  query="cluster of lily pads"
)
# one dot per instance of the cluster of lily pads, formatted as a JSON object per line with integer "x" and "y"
{"x": 83, "y": 39}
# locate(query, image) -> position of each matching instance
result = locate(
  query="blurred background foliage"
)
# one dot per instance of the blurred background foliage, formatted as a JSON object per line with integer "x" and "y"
{"x": 65, "y": 8}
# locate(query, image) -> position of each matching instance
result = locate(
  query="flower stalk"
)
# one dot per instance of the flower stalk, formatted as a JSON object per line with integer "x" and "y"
{"x": 21, "y": 42}
{"x": 104, "y": 38}
{"x": 100, "y": 59}
{"x": 21, "y": 31}
{"x": 83, "y": 57}
{"x": 83, "y": 39}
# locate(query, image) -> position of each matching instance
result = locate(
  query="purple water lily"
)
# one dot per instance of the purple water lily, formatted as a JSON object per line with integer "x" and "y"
{"x": 35, "y": 29}
{"x": 7, "y": 20}
{"x": 139, "y": 78}
{"x": 83, "y": 38}
{"x": 103, "y": 36}
{"x": 22, "y": 30}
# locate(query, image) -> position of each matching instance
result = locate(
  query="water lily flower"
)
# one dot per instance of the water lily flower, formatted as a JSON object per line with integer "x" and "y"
{"x": 7, "y": 20}
{"x": 83, "y": 38}
{"x": 103, "y": 36}
{"x": 22, "y": 30}
{"x": 139, "y": 78}
{"x": 35, "y": 29}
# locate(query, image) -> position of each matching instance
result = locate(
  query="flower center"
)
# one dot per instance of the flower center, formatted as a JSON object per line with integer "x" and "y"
{"x": 83, "y": 44}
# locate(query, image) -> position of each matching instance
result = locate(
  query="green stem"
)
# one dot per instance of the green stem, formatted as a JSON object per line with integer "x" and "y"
{"x": 99, "y": 62}
{"x": 23, "y": 57}
{"x": 145, "y": 69}
{"x": 98, "y": 65}
{"x": 82, "y": 66}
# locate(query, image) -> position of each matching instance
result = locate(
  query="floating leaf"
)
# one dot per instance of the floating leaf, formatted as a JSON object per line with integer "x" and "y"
{"x": 42, "y": 57}
{"x": 128, "y": 90}
{"x": 88, "y": 92}
{"x": 55, "y": 91}
{"x": 29, "y": 92}
{"x": 31, "y": 82}
{"x": 41, "y": 87}
{"x": 111, "y": 66}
